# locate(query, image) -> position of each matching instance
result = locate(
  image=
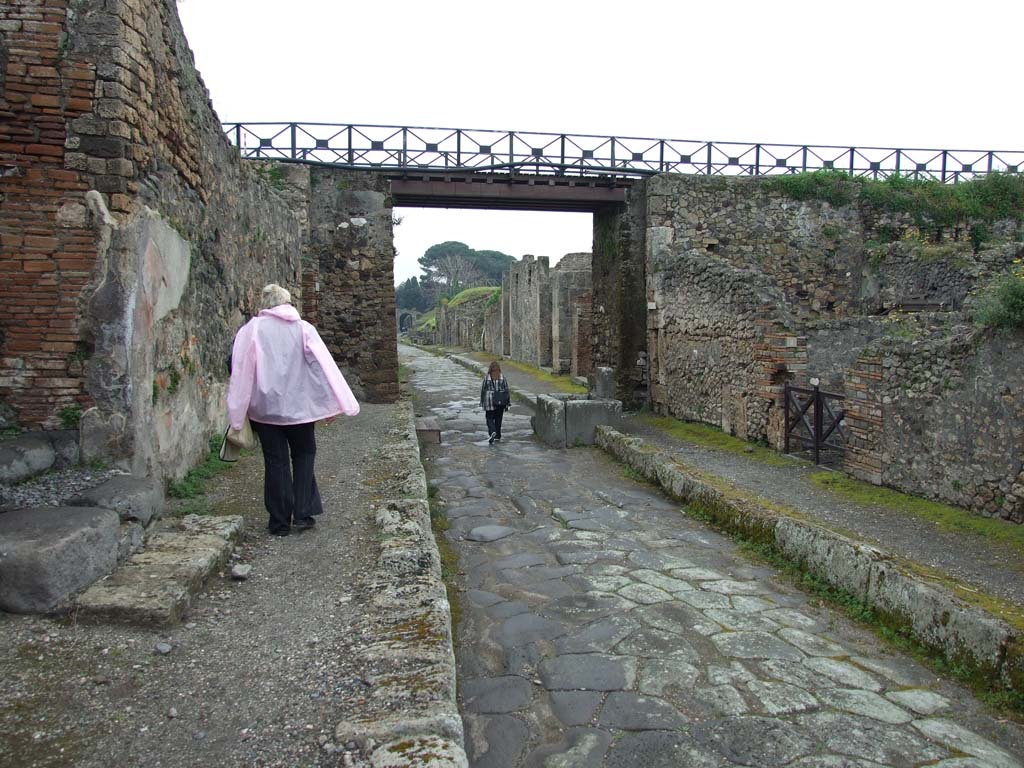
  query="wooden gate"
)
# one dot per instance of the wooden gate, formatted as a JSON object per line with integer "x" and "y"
{"x": 813, "y": 423}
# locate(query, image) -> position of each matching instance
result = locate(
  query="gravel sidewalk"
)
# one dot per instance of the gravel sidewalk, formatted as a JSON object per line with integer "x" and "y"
{"x": 263, "y": 669}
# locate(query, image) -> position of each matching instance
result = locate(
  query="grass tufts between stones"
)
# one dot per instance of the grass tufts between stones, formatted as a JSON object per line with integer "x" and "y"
{"x": 710, "y": 437}
{"x": 946, "y": 517}
{"x": 193, "y": 484}
{"x": 894, "y": 630}
{"x": 449, "y": 557}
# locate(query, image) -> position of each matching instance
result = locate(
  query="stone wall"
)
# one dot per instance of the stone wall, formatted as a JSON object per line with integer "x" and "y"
{"x": 351, "y": 252}
{"x": 943, "y": 417}
{"x": 750, "y": 290}
{"x": 127, "y": 302}
{"x": 529, "y": 296}
{"x": 570, "y": 279}
{"x": 618, "y": 303}
{"x": 472, "y": 323}
{"x": 493, "y": 327}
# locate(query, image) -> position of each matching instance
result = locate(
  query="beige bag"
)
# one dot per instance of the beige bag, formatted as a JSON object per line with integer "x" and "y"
{"x": 237, "y": 440}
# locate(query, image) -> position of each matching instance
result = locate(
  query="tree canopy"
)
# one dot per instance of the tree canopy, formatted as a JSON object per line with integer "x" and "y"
{"x": 452, "y": 266}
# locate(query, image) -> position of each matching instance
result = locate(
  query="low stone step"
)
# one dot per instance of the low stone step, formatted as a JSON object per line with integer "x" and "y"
{"x": 156, "y": 586}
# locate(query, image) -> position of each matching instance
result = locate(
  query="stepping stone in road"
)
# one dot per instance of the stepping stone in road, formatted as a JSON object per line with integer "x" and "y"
{"x": 630, "y": 712}
{"x": 496, "y": 695}
{"x": 486, "y": 533}
{"x": 588, "y": 671}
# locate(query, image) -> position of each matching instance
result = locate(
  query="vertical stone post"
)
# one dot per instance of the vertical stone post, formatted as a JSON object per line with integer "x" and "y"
{"x": 619, "y": 315}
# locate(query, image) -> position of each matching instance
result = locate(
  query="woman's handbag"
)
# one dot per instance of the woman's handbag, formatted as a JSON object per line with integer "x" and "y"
{"x": 237, "y": 440}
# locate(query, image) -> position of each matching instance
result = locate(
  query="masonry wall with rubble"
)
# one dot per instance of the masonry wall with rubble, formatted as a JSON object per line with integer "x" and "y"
{"x": 529, "y": 296}
{"x": 570, "y": 280}
{"x": 350, "y": 259}
{"x": 618, "y": 310}
{"x": 465, "y": 324}
{"x": 748, "y": 290}
{"x": 135, "y": 241}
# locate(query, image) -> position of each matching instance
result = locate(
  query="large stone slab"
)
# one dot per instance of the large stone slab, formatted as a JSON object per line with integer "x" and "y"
{"x": 565, "y": 421}
{"x": 49, "y": 553}
{"x": 583, "y": 416}
{"x": 156, "y": 586}
{"x": 133, "y": 498}
{"x": 589, "y": 672}
{"x": 488, "y": 533}
{"x": 630, "y": 712}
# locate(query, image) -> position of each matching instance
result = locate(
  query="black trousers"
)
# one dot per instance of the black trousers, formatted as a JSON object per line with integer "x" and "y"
{"x": 494, "y": 421}
{"x": 289, "y": 487}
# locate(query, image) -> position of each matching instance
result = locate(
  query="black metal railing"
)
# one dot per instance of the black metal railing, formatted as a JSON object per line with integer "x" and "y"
{"x": 386, "y": 147}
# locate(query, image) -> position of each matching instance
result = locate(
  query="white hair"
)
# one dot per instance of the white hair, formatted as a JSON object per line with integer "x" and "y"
{"x": 274, "y": 295}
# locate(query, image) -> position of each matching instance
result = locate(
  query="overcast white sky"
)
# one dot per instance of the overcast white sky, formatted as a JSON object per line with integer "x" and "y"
{"x": 899, "y": 73}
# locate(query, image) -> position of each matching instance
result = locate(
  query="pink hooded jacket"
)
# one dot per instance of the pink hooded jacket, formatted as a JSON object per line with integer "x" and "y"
{"x": 282, "y": 373}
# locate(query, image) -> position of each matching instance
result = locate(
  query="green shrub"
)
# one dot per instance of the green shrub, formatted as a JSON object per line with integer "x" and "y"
{"x": 929, "y": 203}
{"x": 833, "y": 187}
{"x": 1003, "y": 307}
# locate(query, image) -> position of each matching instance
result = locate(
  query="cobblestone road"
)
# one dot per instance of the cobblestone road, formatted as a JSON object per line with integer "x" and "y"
{"x": 602, "y": 627}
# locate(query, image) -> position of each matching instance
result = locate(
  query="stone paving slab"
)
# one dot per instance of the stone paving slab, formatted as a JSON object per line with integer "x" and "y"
{"x": 658, "y": 643}
{"x": 960, "y": 631}
{"x": 156, "y": 585}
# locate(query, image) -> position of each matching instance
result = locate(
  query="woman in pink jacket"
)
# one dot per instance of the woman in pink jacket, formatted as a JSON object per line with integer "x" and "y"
{"x": 284, "y": 379}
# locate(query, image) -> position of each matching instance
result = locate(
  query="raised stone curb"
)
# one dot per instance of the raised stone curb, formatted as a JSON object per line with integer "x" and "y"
{"x": 961, "y": 632}
{"x": 411, "y": 718}
{"x": 156, "y": 586}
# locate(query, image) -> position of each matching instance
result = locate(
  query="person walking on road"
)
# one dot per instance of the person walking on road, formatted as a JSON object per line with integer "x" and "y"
{"x": 284, "y": 380}
{"x": 495, "y": 399}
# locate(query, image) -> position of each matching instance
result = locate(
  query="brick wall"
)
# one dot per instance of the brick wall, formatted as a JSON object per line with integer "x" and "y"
{"x": 581, "y": 333}
{"x": 47, "y": 250}
{"x": 135, "y": 240}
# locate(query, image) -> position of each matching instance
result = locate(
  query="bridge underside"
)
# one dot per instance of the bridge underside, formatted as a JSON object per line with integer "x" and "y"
{"x": 508, "y": 192}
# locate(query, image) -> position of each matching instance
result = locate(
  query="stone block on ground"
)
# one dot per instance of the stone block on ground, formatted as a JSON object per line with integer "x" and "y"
{"x": 24, "y": 457}
{"x": 65, "y": 447}
{"x": 49, "y": 553}
{"x": 604, "y": 382}
{"x": 133, "y": 498}
{"x": 156, "y": 586}
{"x": 549, "y": 420}
{"x": 583, "y": 416}
{"x": 428, "y": 430}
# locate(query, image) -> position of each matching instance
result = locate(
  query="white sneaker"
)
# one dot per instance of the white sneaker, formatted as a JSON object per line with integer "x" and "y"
{"x": 491, "y": 438}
